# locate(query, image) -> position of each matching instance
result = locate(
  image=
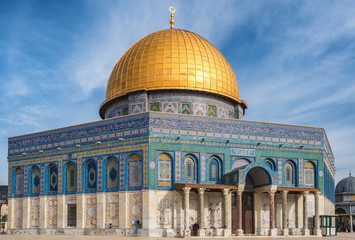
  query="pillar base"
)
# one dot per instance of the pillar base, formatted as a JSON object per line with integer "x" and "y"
{"x": 317, "y": 232}
{"x": 201, "y": 233}
{"x": 187, "y": 233}
{"x": 305, "y": 232}
{"x": 273, "y": 232}
{"x": 226, "y": 232}
{"x": 240, "y": 232}
{"x": 285, "y": 232}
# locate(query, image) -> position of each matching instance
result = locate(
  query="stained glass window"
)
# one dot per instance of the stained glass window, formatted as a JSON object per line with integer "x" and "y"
{"x": 19, "y": 181}
{"x": 35, "y": 180}
{"x": 135, "y": 171}
{"x": 189, "y": 169}
{"x": 164, "y": 170}
{"x": 309, "y": 171}
{"x": 53, "y": 178}
{"x": 91, "y": 175}
{"x": 112, "y": 173}
{"x": 71, "y": 177}
{"x": 213, "y": 171}
{"x": 288, "y": 174}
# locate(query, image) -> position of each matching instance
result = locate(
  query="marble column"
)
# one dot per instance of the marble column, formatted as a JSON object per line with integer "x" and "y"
{"x": 227, "y": 211}
{"x": 285, "y": 231}
{"x": 201, "y": 194}
{"x": 240, "y": 213}
{"x": 317, "y": 230}
{"x": 187, "y": 232}
{"x": 351, "y": 221}
{"x": 273, "y": 230}
{"x": 305, "y": 216}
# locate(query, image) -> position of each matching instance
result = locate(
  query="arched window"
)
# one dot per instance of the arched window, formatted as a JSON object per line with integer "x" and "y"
{"x": 214, "y": 171}
{"x": 91, "y": 175}
{"x": 288, "y": 173}
{"x": 135, "y": 171}
{"x": 309, "y": 173}
{"x": 53, "y": 178}
{"x": 164, "y": 170}
{"x": 18, "y": 181}
{"x": 35, "y": 180}
{"x": 190, "y": 169}
{"x": 71, "y": 177}
{"x": 112, "y": 173}
{"x": 270, "y": 163}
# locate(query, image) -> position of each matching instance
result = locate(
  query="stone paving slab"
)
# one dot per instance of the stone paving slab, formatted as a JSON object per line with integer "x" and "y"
{"x": 341, "y": 236}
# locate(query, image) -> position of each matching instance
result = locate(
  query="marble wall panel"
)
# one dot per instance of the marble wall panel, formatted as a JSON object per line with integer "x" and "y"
{"x": 112, "y": 210}
{"x": 91, "y": 212}
{"x": 34, "y": 220}
{"x": 165, "y": 212}
{"x": 52, "y": 212}
{"x": 135, "y": 208}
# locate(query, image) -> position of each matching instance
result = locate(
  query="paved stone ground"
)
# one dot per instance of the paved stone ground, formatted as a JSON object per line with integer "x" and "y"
{"x": 341, "y": 236}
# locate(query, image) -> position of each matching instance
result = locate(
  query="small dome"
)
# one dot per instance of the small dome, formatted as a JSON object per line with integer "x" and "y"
{"x": 347, "y": 185}
{"x": 172, "y": 59}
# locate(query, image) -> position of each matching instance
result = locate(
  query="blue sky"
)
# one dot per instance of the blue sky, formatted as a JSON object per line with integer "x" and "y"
{"x": 294, "y": 60}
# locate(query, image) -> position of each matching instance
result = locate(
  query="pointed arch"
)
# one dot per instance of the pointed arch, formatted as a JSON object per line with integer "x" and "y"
{"x": 270, "y": 163}
{"x": 52, "y": 173}
{"x": 214, "y": 170}
{"x": 90, "y": 175}
{"x": 112, "y": 173}
{"x": 71, "y": 177}
{"x": 165, "y": 162}
{"x": 309, "y": 174}
{"x": 289, "y": 173}
{"x": 35, "y": 180}
{"x": 18, "y": 181}
{"x": 190, "y": 169}
{"x": 135, "y": 171}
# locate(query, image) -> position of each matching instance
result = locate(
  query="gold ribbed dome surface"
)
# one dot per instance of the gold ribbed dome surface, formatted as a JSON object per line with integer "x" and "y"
{"x": 172, "y": 59}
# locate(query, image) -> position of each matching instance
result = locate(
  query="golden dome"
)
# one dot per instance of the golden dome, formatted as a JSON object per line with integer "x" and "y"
{"x": 172, "y": 59}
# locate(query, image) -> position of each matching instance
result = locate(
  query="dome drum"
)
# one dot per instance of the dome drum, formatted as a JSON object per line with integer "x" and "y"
{"x": 174, "y": 101}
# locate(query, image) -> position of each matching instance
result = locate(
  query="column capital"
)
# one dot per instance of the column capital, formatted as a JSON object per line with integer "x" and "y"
{"x": 316, "y": 194}
{"x": 272, "y": 193}
{"x": 284, "y": 192}
{"x": 201, "y": 190}
{"x": 225, "y": 191}
{"x": 305, "y": 193}
{"x": 186, "y": 189}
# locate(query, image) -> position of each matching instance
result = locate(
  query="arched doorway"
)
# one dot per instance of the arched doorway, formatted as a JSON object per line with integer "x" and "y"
{"x": 255, "y": 177}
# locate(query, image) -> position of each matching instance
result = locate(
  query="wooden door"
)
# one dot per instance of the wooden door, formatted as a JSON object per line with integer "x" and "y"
{"x": 248, "y": 218}
{"x": 248, "y": 212}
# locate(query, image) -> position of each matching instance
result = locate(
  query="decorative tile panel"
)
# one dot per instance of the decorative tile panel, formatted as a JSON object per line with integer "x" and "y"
{"x": 211, "y": 111}
{"x": 170, "y": 107}
{"x": 178, "y": 166}
{"x": 200, "y": 109}
{"x": 122, "y": 167}
{"x": 203, "y": 167}
{"x": 185, "y": 108}
{"x": 99, "y": 174}
{"x": 154, "y": 107}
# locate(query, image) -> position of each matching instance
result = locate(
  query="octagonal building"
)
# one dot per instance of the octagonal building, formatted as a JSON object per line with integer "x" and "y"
{"x": 172, "y": 156}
